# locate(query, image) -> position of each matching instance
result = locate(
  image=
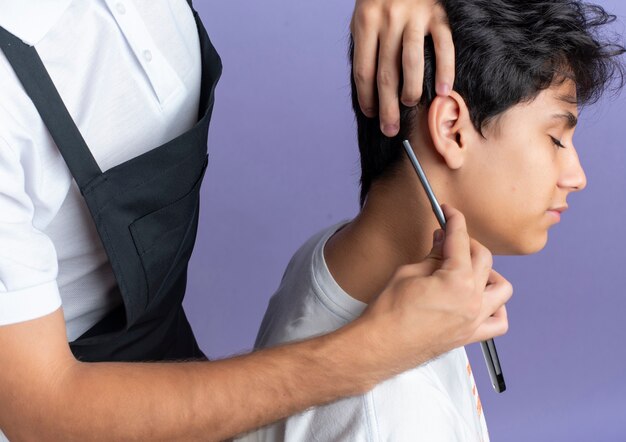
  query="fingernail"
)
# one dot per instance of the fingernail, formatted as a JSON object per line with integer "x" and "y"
{"x": 390, "y": 129}
{"x": 443, "y": 89}
{"x": 370, "y": 112}
{"x": 439, "y": 236}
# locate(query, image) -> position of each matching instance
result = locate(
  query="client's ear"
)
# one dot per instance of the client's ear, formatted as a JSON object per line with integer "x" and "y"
{"x": 450, "y": 128}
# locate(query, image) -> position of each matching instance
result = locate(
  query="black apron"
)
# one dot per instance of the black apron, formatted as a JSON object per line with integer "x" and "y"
{"x": 146, "y": 214}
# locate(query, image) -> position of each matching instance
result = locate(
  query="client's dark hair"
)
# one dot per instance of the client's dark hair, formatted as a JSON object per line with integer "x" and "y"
{"x": 507, "y": 52}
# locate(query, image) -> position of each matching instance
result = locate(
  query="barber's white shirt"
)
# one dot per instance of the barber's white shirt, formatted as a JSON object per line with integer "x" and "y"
{"x": 129, "y": 74}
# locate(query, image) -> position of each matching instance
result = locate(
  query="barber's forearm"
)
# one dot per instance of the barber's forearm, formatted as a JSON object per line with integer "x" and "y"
{"x": 203, "y": 400}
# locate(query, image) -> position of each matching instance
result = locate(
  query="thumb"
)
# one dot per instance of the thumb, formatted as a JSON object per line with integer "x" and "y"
{"x": 433, "y": 260}
{"x": 436, "y": 253}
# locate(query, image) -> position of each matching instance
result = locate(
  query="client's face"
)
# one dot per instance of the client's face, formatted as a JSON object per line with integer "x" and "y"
{"x": 515, "y": 177}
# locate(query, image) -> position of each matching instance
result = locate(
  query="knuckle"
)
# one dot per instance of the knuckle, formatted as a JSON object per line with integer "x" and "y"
{"x": 460, "y": 217}
{"x": 442, "y": 47}
{"x": 488, "y": 260}
{"x": 387, "y": 115}
{"x": 461, "y": 284}
{"x": 439, "y": 14}
{"x": 487, "y": 256}
{"x": 443, "y": 43}
{"x": 403, "y": 272}
{"x": 411, "y": 96}
{"x": 413, "y": 81}
{"x": 389, "y": 107}
{"x": 362, "y": 75}
{"x": 413, "y": 36}
{"x": 483, "y": 249}
{"x": 413, "y": 284}
{"x": 410, "y": 57}
{"x": 502, "y": 328}
{"x": 482, "y": 252}
{"x": 367, "y": 108}
{"x": 365, "y": 17}
{"x": 394, "y": 12}
{"x": 467, "y": 284}
{"x": 508, "y": 288}
{"x": 439, "y": 9}
{"x": 386, "y": 77}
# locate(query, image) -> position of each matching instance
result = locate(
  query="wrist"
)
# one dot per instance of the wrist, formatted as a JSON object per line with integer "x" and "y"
{"x": 357, "y": 352}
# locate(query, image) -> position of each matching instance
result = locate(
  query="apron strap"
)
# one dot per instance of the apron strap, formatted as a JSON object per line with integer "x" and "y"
{"x": 40, "y": 88}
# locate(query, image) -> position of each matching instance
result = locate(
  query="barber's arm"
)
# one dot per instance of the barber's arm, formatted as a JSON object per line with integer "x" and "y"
{"x": 426, "y": 310}
{"x": 389, "y": 40}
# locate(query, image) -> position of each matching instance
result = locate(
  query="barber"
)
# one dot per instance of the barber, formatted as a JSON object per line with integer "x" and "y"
{"x": 104, "y": 113}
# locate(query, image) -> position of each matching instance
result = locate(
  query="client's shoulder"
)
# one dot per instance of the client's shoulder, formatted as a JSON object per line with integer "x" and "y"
{"x": 298, "y": 310}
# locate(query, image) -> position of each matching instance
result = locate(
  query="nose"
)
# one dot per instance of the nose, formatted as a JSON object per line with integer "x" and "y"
{"x": 573, "y": 176}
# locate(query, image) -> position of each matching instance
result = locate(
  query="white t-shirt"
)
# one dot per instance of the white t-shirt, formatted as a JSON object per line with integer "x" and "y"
{"x": 435, "y": 402}
{"x": 129, "y": 73}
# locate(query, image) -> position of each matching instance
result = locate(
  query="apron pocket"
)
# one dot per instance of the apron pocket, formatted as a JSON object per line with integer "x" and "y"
{"x": 164, "y": 240}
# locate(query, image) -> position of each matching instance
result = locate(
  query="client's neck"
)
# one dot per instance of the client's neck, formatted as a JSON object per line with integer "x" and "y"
{"x": 394, "y": 228}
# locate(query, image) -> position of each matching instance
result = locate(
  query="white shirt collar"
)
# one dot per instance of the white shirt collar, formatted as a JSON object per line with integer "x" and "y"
{"x": 30, "y": 20}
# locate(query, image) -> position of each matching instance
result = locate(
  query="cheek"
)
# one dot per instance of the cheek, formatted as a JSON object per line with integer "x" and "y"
{"x": 508, "y": 197}
{"x": 525, "y": 177}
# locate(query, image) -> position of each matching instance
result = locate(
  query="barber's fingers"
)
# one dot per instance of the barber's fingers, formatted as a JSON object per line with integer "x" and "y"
{"x": 412, "y": 64}
{"x": 456, "y": 248}
{"x": 492, "y": 327}
{"x": 493, "y": 318}
{"x": 444, "y": 51}
{"x": 463, "y": 256}
{"x": 482, "y": 264}
{"x": 388, "y": 80}
{"x": 496, "y": 294}
{"x": 433, "y": 260}
{"x": 364, "y": 29}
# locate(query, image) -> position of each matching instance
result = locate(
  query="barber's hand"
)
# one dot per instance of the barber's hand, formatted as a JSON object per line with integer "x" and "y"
{"x": 450, "y": 299}
{"x": 390, "y": 34}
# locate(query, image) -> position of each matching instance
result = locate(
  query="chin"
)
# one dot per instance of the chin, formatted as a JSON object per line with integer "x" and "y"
{"x": 516, "y": 247}
{"x": 532, "y": 247}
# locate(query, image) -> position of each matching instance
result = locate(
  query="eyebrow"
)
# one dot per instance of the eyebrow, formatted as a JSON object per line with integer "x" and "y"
{"x": 570, "y": 119}
{"x": 569, "y": 99}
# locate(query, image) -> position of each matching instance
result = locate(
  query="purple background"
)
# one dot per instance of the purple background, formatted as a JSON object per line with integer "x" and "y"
{"x": 284, "y": 165}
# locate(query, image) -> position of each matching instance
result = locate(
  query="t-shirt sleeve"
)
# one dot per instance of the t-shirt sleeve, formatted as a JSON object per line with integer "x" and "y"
{"x": 28, "y": 260}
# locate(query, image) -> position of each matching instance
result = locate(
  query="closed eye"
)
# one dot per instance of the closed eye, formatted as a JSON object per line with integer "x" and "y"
{"x": 557, "y": 143}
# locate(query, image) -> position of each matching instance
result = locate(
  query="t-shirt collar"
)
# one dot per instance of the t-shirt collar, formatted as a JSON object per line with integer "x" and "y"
{"x": 30, "y": 20}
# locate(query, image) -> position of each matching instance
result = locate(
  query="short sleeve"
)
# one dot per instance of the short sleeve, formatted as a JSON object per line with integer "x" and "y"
{"x": 28, "y": 260}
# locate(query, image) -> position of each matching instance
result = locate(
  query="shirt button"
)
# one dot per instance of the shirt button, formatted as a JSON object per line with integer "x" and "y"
{"x": 147, "y": 55}
{"x": 120, "y": 8}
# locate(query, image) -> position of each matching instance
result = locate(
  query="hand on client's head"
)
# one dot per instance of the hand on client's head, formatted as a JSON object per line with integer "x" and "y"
{"x": 387, "y": 32}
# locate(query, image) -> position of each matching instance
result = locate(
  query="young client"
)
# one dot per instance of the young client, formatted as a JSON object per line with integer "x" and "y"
{"x": 500, "y": 150}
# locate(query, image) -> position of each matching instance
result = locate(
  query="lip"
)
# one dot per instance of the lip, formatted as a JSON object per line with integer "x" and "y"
{"x": 558, "y": 209}
{"x": 556, "y": 212}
